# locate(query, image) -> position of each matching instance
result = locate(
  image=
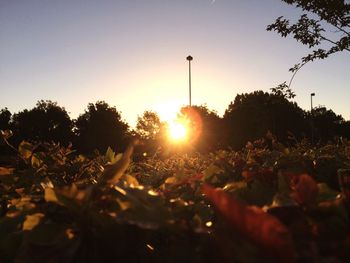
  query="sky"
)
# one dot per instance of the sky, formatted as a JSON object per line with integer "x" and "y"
{"x": 132, "y": 54}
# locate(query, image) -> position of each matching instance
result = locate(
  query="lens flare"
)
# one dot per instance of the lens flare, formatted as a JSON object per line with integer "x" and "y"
{"x": 177, "y": 130}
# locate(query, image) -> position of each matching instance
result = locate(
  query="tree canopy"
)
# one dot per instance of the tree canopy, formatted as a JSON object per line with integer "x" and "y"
{"x": 100, "y": 127}
{"x": 149, "y": 126}
{"x": 327, "y": 124}
{"x": 206, "y": 127}
{"x": 45, "y": 122}
{"x": 250, "y": 116}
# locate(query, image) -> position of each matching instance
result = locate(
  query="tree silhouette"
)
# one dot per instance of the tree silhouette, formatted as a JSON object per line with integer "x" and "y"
{"x": 46, "y": 122}
{"x": 324, "y": 27}
{"x": 100, "y": 127}
{"x": 250, "y": 116}
{"x": 327, "y": 124}
{"x": 207, "y": 127}
{"x": 5, "y": 117}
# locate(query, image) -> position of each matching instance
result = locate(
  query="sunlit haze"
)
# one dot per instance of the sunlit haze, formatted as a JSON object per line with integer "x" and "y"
{"x": 177, "y": 130}
{"x": 132, "y": 54}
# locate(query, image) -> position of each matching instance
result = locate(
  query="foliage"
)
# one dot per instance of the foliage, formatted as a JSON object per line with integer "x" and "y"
{"x": 250, "y": 116}
{"x": 268, "y": 203}
{"x": 46, "y": 122}
{"x": 100, "y": 127}
{"x": 149, "y": 126}
{"x": 284, "y": 91}
{"x": 5, "y": 117}
{"x": 207, "y": 127}
{"x": 323, "y": 22}
{"x": 326, "y": 123}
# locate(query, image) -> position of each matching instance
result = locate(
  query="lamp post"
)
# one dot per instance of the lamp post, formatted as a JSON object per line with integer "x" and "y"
{"x": 189, "y": 58}
{"x": 312, "y": 121}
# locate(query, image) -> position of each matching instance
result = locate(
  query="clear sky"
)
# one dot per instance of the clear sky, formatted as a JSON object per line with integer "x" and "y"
{"x": 132, "y": 54}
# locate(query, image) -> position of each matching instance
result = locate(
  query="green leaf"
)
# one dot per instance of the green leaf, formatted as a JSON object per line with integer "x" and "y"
{"x": 114, "y": 172}
{"x": 109, "y": 156}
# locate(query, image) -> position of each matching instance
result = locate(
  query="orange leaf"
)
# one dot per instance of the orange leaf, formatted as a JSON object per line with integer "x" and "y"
{"x": 6, "y": 171}
{"x": 259, "y": 227}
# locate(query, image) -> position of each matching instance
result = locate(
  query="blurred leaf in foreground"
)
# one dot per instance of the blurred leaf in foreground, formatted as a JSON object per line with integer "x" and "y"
{"x": 261, "y": 228}
{"x": 114, "y": 172}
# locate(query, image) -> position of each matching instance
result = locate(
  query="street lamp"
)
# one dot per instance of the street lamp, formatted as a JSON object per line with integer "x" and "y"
{"x": 189, "y": 58}
{"x": 311, "y": 95}
{"x": 312, "y": 121}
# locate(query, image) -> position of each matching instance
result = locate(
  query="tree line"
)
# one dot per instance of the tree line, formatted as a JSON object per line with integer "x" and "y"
{"x": 249, "y": 117}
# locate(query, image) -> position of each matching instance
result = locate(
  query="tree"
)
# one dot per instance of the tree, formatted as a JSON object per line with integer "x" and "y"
{"x": 46, "y": 122}
{"x": 250, "y": 116}
{"x": 100, "y": 127}
{"x": 345, "y": 129}
{"x": 149, "y": 125}
{"x": 5, "y": 117}
{"x": 327, "y": 124}
{"x": 207, "y": 127}
{"x": 324, "y": 27}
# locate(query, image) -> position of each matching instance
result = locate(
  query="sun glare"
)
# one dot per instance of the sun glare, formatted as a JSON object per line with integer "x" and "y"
{"x": 168, "y": 111}
{"x": 177, "y": 131}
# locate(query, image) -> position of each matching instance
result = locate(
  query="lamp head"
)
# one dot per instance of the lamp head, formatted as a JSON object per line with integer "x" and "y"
{"x": 189, "y": 58}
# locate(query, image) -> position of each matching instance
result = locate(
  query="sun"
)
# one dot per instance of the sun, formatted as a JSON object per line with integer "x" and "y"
{"x": 177, "y": 130}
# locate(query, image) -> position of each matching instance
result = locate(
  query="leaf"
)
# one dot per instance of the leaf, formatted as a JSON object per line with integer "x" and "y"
{"x": 25, "y": 149}
{"x": 212, "y": 170}
{"x": 50, "y": 196}
{"x": 131, "y": 180}
{"x": 283, "y": 195}
{"x": 32, "y": 221}
{"x": 68, "y": 196}
{"x": 5, "y": 134}
{"x": 326, "y": 193}
{"x": 171, "y": 180}
{"x": 109, "y": 156}
{"x": 248, "y": 176}
{"x": 114, "y": 172}
{"x": 36, "y": 161}
{"x": 234, "y": 186}
{"x": 305, "y": 190}
{"x": 20, "y": 191}
{"x": 259, "y": 227}
{"x": 6, "y": 171}
{"x": 124, "y": 205}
